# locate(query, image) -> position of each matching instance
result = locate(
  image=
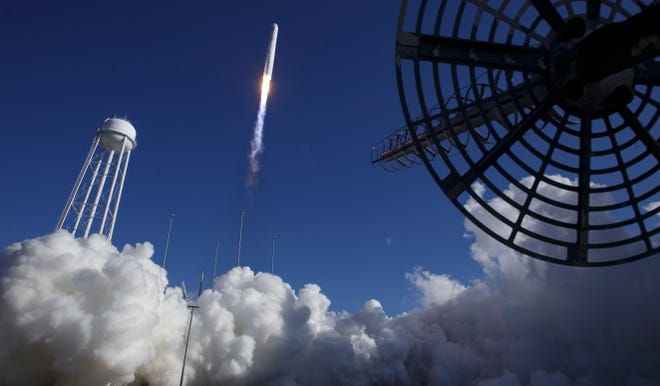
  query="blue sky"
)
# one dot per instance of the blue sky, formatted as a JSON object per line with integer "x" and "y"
{"x": 188, "y": 77}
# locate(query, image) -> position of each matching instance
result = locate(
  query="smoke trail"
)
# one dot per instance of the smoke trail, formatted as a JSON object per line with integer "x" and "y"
{"x": 256, "y": 145}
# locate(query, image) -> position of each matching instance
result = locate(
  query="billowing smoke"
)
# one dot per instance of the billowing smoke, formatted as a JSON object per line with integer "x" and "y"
{"x": 80, "y": 312}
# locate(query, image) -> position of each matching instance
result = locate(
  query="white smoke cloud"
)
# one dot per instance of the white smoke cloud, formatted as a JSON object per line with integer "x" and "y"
{"x": 435, "y": 289}
{"x": 80, "y": 312}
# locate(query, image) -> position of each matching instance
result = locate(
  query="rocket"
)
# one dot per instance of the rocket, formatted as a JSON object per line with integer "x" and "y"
{"x": 256, "y": 145}
{"x": 270, "y": 57}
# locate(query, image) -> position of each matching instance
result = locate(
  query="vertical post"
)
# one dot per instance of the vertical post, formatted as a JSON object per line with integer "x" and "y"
{"x": 167, "y": 241}
{"x": 272, "y": 257}
{"x": 215, "y": 265}
{"x": 185, "y": 352}
{"x": 201, "y": 283}
{"x": 192, "y": 305}
{"x": 240, "y": 240}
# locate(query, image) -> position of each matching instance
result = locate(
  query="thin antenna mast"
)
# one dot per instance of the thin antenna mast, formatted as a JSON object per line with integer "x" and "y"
{"x": 272, "y": 256}
{"x": 167, "y": 241}
{"x": 215, "y": 265}
{"x": 240, "y": 240}
{"x": 185, "y": 291}
{"x": 201, "y": 282}
{"x": 192, "y": 305}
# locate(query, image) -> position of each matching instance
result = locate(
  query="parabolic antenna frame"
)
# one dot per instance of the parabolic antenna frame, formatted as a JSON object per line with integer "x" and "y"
{"x": 538, "y": 119}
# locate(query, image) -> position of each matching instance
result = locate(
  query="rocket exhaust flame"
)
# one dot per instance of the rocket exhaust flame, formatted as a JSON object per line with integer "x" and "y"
{"x": 256, "y": 145}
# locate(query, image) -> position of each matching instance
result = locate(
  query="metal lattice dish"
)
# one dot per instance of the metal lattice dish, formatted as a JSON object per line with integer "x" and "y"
{"x": 538, "y": 119}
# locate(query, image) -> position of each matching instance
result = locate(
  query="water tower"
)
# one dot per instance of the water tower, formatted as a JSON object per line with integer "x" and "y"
{"x": 95, "y": 197}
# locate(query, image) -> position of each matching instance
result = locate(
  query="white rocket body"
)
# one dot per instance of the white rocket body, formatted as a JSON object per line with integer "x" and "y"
{"x": 270, "y": 57}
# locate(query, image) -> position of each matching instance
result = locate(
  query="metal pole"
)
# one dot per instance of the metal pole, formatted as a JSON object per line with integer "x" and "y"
{"x": 215, "y": 265}
{"x": 201, "y": 282}
{"x": 240, "y": 240}
{"x": 272, "y": 257}
{"x": 192, "y": 305}
{"x": 185, "y": 352}
{"x": 167, "y": 241}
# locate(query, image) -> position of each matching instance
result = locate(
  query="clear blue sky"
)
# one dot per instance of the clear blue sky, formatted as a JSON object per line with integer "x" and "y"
{"x": 187, "y": 75}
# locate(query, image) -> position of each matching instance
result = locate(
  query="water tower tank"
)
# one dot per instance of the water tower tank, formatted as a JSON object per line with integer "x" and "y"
{"x": 112, "y": 133}
{"x": 97, "y": 191}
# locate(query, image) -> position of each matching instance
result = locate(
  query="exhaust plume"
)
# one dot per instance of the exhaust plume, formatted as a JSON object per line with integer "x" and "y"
{"x": 81, "y": 312}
